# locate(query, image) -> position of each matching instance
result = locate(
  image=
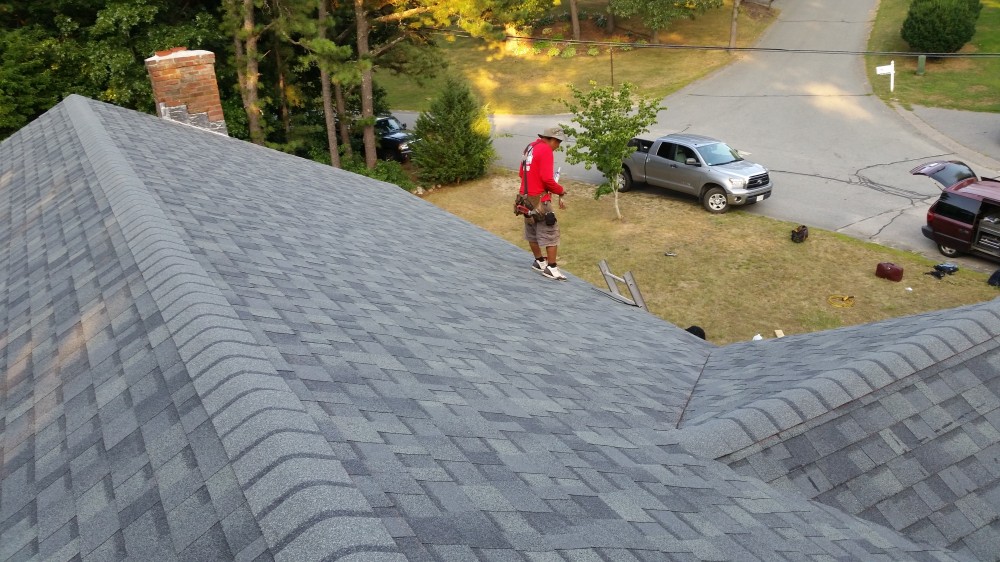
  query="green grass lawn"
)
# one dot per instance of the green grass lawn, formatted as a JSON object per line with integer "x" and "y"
{"x": 951, "y": 83}
{"x": 516, "y": 79}
{"x": 519, "y": 81}
{"x": 715, "y": 279}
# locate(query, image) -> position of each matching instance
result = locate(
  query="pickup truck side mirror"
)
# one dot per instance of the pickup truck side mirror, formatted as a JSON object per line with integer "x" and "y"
{"x": 692, "y": 162}
{"x": 404, "y": 126}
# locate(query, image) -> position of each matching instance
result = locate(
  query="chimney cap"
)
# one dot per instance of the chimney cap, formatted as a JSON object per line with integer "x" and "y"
{"x": 177, "y": 52}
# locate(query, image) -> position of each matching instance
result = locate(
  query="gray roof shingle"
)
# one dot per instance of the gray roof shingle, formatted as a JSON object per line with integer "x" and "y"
{"x": 214, "y": 350}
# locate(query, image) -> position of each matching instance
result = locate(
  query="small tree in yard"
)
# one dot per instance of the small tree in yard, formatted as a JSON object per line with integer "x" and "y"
{"x": 606, "y": 120}
{"x": 454, "y": 137}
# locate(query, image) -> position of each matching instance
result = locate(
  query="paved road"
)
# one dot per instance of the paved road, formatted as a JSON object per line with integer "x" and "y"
{"x": 838, "y": 155}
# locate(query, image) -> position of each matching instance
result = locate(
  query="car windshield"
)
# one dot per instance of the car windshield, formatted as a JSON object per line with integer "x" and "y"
{"x": 718, "y": 153}
{"x": 388, "y": 125}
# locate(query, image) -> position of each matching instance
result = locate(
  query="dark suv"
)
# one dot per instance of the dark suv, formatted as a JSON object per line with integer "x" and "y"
{"x": 966, "y": 218}
{"x": 393, "y": 139}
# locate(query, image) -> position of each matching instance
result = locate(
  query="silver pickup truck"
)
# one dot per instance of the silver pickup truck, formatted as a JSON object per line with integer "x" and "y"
{"x": 701, "y": 166}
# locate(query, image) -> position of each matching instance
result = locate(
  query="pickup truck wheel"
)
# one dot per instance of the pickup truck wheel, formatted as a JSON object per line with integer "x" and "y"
{"x": 715, "y": 200}
{"x": 948, "y": 251}
{"x": 626, "y": 180}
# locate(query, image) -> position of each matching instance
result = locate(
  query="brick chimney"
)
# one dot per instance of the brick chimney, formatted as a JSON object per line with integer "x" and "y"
{"x": 185, "y": 89}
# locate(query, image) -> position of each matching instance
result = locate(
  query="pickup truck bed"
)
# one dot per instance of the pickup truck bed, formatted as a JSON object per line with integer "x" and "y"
{"x": 641, "y": 145}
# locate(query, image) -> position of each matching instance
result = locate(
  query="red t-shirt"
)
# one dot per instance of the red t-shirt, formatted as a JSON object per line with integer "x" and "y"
{"x": 538, "y": 166}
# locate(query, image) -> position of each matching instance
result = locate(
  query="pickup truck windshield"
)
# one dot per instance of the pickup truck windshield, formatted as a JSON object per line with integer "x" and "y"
{"x": 718, "y": 153}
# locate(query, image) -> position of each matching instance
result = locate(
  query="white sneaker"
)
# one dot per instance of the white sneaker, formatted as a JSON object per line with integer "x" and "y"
{"x": 539, "y": 266}
{"x": 553, "y": 273}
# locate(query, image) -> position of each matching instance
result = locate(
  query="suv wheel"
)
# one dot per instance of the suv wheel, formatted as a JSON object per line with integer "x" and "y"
{"x": 714, "y": 200}
{"x": 626, "y": 180}
{"x": 948, "y": 251}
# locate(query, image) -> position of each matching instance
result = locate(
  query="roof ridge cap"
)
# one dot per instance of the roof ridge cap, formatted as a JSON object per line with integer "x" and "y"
{"x": 747, "y": 425}
{"x": 298, "y": 491}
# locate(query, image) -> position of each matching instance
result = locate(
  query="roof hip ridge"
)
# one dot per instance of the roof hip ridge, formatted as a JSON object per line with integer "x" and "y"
{"x": 752, "y": 423}
{"x": 297, "y": 489}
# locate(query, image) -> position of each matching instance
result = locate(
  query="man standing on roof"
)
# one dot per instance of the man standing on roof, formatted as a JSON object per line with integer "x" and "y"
{"x": 540, "y": 228}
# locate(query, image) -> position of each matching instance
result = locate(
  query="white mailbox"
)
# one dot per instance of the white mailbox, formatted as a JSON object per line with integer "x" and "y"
{"x": 889, "y": 69}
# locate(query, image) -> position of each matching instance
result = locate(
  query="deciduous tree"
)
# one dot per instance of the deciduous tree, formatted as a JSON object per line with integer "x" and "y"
{"x": 606, "y": 119}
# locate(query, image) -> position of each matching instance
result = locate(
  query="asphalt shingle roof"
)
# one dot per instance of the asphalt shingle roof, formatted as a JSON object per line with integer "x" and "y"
{"x": 216, "y": 351}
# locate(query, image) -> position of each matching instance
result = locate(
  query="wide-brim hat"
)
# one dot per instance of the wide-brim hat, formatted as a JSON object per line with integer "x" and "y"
{"x": 553, "y": 133}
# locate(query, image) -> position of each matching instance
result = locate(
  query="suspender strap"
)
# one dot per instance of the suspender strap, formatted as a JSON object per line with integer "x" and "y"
{"x": 524, "y": 172}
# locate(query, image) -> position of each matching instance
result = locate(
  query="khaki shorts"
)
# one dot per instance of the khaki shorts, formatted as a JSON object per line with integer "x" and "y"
{"x": 541, "y": 234}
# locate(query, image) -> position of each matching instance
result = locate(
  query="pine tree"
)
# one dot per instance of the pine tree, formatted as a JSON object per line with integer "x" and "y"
{"x": 454, "y": 137}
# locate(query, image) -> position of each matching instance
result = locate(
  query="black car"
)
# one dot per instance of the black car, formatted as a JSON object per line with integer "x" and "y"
{"x": 393, "y": 139}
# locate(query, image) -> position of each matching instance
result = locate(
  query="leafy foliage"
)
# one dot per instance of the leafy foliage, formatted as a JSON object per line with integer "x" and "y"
{"x": 940, "y": 26}
{"x": 454, "y": 137}
{"x": 95, "y": 48}
{"x": 385, "y": 170}
{"x": 26, "y": 52}
{"x": 657, "y": 14}
{"x": 606, "y": 120}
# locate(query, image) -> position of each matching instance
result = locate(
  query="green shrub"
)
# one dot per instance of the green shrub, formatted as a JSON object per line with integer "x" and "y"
{"x": 454, "y": 137}
{"x": 553, "y": 51}
{"x": 388, "y": 171}
{"x": 940, "y": 26}
{"x": 569, "y": 52}
{"x": 594, "y": 51}
{"x": 601, "y": 21}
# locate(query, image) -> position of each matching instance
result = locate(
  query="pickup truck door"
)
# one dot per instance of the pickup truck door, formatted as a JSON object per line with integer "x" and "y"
{"x": 684, "y": 177}
{"x": 659, "y": 164}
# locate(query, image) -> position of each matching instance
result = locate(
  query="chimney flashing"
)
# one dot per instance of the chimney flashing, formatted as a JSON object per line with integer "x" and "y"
{"x": 185, "y": 89}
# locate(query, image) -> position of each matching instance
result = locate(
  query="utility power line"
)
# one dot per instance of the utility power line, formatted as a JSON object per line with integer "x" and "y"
{"x": 636, "y": 46}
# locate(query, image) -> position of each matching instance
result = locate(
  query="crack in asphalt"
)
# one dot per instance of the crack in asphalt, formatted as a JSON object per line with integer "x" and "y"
{"x": 910, "y": 195}
{"x": 867, "y": 182}
{"x": 899, "y": 213}
{"x": 860, "y": 179}
{"x": 817, "y": 176}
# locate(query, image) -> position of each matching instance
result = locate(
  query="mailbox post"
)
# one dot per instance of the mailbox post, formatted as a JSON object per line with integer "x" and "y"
{"x": 889, "y": 69}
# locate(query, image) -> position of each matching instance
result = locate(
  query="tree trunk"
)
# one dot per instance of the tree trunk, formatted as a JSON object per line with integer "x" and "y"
{"x": 610, "y": 27}
{"x": 345, "y": 127}
{"x": 655, "y": 37}
{"x": 247, "y": 70}
{"x": 367, "y": 98}
{"x": 615, "y": 187}
{"x": 283, "y": 110}
{"x": 732, "y": 28}
{"x": 324, "y": 76}
{"x": 574, "y": 16}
